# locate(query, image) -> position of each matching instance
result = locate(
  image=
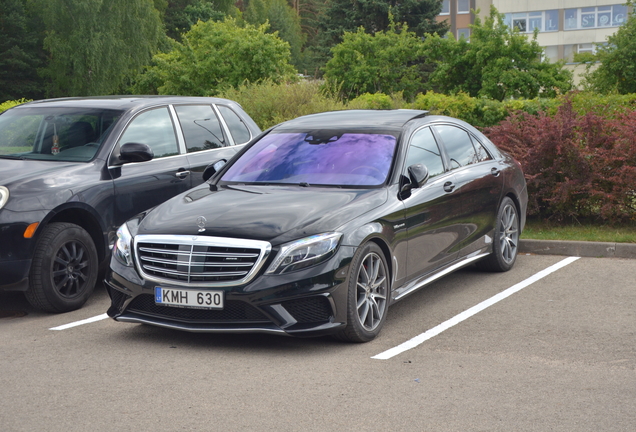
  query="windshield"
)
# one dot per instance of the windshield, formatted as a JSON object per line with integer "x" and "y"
{"x": 316, "y": 158}
{"x": 56, "y": 134}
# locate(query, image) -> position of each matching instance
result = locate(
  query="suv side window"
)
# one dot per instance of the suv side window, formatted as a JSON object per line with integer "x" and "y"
{"x": 239, "y": 131}
{"x": 201, "y": 127}
{"x": 424, "y": 150}
{"x": 458, "y": 146}
{"x": 155, "y": 129}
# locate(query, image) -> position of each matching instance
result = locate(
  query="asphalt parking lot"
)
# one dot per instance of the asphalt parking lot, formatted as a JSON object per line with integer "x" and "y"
{"x": 557, "y": 354}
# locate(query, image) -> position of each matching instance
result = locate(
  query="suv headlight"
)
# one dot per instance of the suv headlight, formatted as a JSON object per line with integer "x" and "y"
{"x": 4, "y": 196}
{"x": 304, "y": 253}
{"x": 123, "y": 246}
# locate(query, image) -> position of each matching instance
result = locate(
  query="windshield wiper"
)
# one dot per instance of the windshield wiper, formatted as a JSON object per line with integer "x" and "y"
{"x": 12, "y": 157}
{"x": 303, "y": 184}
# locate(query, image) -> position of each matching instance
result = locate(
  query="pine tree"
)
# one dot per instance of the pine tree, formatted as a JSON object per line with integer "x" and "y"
{"x": 20, "y": 53}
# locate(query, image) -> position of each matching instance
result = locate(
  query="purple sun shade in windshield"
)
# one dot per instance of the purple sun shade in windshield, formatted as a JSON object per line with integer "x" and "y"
{"x": 355, "y": 159}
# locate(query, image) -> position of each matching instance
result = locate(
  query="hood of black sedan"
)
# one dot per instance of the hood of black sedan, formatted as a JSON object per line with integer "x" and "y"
{"x": 271, "y": 213}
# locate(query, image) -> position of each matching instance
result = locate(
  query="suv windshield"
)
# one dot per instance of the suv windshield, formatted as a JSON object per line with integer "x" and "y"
{"x": 56, "y": 134}
{"x": 333, "y": 158}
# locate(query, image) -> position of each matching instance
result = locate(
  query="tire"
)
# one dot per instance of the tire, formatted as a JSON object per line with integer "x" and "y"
{"x": 64, "y": 269}
{"x": 506, "y": 242}
{"x": 368, "y": 295}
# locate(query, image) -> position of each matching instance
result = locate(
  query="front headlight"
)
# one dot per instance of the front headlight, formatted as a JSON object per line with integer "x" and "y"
{"x": 4, "y": 196}
{"x": 304, "y": 253}
{"x": 123, "y": 245}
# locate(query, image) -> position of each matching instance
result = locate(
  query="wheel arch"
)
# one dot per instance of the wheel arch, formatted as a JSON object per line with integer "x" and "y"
{"x": 387, "y": 255}
{"x": 83, "y": 216}
{"x": 517, "y": 203}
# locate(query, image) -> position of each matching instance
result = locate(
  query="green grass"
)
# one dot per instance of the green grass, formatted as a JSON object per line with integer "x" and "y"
{"x": 541, "y": 230}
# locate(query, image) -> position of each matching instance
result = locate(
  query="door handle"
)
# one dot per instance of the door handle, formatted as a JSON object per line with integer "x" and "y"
{"x": 495, "y": 171}
{"x": 449, "y": 186}
{"x": 182, "y": 174}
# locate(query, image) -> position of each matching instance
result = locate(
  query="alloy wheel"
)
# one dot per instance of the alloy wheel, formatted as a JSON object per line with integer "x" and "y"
{"x": 372, "y": 289}
{"x": 70, "y": 269}
{"x": 509, "y": 233}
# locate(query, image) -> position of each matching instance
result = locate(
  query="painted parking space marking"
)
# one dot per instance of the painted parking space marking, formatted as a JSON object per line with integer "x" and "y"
{"x": 417, "y": 340}
{"x": 82, "y": 322}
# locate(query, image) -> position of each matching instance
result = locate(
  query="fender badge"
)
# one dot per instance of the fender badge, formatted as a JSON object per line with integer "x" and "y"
{"x": 201, "y": 223}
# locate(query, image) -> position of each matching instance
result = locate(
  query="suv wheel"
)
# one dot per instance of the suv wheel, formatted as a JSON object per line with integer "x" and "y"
{"x": 64, "y": 269}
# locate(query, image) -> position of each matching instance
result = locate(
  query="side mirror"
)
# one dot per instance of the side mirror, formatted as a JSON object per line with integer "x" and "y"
{"x": 418, "y": 174}
{"x": 213, "y": 168}
{"x": 135, "y": 152}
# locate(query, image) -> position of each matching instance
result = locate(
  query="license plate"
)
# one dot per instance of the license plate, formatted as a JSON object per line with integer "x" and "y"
{"x": 200, "y": 299}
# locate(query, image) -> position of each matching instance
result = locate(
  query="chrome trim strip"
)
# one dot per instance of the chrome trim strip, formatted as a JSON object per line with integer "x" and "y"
{"x": 192, "y": 241}
{"x": 200, "y": 329}
{"x": 197, "y": 264}
{"x": 187, "y": 274}
{"x": 170, "y": 252}
{"x": 444, "y": 272}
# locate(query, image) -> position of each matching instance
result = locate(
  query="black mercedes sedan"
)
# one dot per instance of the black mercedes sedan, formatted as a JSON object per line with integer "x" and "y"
{"x": 73, "y": 170}
{"x": 318, "y": 226}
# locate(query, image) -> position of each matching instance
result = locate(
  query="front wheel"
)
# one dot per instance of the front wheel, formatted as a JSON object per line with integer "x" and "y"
{"x": 64, "y": 269}
{"x": 506, "y": 242}
{"x": 368, "y": 296}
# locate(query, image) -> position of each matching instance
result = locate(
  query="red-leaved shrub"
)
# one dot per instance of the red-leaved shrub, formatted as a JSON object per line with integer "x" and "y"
{"x": 576, "y": 166}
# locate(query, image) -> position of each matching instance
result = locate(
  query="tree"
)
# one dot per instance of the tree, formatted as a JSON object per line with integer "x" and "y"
{"x": 388, "y": 61}
{"x": 181, "y": 15}
{"x": 216, "y": 55}
{"x": 20, "y": 53}
{"x": 96, "y": 45}
{"x": 282, "y": 19}
{"x": 497, "y": 63}
{"x": 342, "y": 16}
{"x": 617, "y": 69}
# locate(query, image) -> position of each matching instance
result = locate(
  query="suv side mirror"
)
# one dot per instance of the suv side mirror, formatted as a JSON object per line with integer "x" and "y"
{"x": 213, "y": 168}
{"x": 135, "y": 152}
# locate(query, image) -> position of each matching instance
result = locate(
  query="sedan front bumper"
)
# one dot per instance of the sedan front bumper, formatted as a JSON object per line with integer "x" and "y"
{"x": 309, "y": 302}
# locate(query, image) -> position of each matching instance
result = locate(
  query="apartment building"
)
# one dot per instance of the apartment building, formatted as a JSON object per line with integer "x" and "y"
{"x": 566, "y": 27}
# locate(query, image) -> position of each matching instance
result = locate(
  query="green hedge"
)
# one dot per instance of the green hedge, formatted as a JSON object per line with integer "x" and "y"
{"x": 8, "y": 104}
{"x": 270, "y": 103}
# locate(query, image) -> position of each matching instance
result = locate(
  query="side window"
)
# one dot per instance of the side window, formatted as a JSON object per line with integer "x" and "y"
{"x": 458, "y": 146}
{"x": 239, "y": 131}
{"x": 153, "y": 128}
{"x": 201, "y": 128}
{"x": 424, "y": 150}
{"x": 482, "y": 153}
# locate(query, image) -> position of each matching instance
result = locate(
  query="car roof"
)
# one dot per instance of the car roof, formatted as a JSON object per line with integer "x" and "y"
{"x": 381, "y": 119}
{"x": 123, "y": 102}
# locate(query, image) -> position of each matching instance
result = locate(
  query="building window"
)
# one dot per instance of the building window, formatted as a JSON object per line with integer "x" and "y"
{"x": 570, "y": 50}
{"x": 551, "y": 54}
{"x": 463, "y": 33}
{"x": 527, "y": 22}
{"x": 445, "y": 7}
{"x": 595, "y": 17}
{"x": 463, "y": 6}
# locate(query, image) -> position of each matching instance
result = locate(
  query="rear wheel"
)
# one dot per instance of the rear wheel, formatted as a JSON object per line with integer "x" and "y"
{"x": 506, "y": 242}
{"x": 64, "y": 269}
{"x": 368, "y": 296}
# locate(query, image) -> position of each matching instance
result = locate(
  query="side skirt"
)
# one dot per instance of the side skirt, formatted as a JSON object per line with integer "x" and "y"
{"x": 417, "y": 284}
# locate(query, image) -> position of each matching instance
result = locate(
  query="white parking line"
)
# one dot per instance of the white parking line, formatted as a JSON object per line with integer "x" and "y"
{"x": 79, "y": 323}
{"x": 417, "y": 340}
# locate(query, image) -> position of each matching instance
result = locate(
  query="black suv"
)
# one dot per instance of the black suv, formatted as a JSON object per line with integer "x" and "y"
{"x": 73, "y": 170}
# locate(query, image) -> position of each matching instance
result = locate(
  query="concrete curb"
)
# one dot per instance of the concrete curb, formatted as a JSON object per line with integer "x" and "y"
{"x": 578, "y": 248}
